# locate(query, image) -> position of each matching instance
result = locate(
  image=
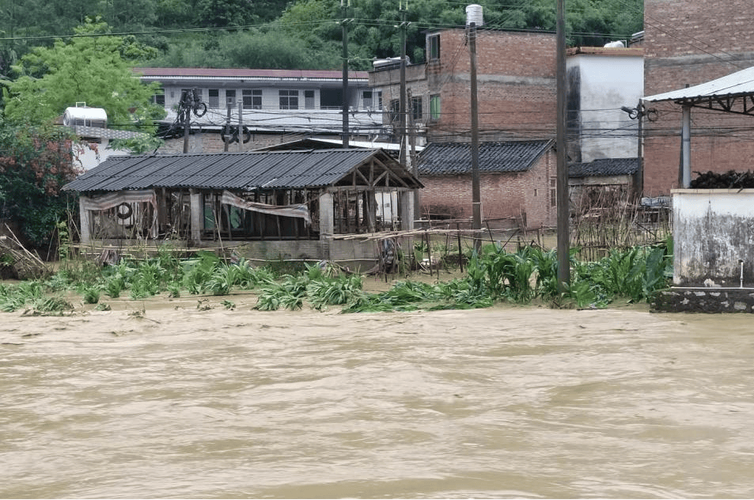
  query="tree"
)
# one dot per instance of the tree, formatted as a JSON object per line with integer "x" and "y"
{"x": 35, "y": 163}
{"x": 91, "y": 67}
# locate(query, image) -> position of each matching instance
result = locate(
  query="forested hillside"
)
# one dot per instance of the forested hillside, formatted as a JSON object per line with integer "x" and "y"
{"x": 292, "y": 34}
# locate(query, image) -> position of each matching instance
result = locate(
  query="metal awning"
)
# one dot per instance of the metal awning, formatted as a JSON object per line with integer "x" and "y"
{"x": 733, "y": 93}
{"x": 730, "y": 94}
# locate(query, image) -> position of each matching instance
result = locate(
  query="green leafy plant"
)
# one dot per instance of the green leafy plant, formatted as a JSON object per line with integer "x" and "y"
{"x": 90, "y": 294}
{"x": 51, "y": 305}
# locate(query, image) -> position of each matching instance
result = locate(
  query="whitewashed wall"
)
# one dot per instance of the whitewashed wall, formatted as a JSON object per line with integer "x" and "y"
{"x": 713, "y": 231}
{"x": 88, "y": 158}
{"x": 607, "y": 83}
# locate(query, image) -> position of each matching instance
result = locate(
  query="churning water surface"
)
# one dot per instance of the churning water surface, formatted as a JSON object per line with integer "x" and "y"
{"x": 504, "y": 402}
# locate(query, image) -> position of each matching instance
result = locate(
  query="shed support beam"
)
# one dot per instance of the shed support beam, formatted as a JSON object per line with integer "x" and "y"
{"x": 686, "y": 148}
{"x": 197, "y": 215}
{"x": 408, "y": 210}
{"x": 86, "y": 215}
{"x": 326, "y": 215}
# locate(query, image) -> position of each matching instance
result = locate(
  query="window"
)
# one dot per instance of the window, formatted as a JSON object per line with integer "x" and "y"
{"x": 288, "y": 99}
{"x": 434, "y": 107}
{"x": 214, "y": 98}
{"x": 331, "y": 98}
{"x": 309, "y": 99}
{"x": 553, "y": 191}
{"x": 366, "y": 99}
{"x": 433, "y": 47}
{"x": 159, "y": 99}
{"x": 252, "y": 99}
{"x": 371, "y": 99}
{"x": 416, "y": 109}
{"x": 395, "y": 109}
{"x": 230, "y": 97}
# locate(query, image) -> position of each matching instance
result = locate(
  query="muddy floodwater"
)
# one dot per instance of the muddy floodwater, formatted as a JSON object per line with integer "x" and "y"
{"x": 502, "y": 402}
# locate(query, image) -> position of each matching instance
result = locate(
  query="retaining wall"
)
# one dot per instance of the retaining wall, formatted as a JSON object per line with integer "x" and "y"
{"x": 705, "y": 300}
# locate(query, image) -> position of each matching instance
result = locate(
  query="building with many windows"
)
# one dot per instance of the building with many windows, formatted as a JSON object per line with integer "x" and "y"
{"x": 255, "y": 108}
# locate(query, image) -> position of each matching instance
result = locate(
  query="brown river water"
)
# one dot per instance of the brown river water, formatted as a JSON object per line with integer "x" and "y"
{"x": 177, "y": 402}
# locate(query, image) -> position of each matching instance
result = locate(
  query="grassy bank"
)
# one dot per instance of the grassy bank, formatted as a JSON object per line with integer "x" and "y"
{"x": 493, "y": 276}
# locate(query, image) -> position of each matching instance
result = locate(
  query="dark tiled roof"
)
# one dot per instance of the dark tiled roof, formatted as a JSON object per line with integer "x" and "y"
{"x": 604, "y": 167}
{"x": 243, "y": 171}
{"x": 455, "y": 158}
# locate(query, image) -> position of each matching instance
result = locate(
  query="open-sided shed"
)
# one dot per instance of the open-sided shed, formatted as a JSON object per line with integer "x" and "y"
{"x": 279, "y": 203}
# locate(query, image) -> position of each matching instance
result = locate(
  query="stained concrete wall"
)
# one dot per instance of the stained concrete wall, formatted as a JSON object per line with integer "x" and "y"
{"x": 354, "y": 254}
{"x": 713, "y": 232}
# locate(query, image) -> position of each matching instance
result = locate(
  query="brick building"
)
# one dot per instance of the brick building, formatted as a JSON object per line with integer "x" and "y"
{"x": 515, "y": 87}
{"x": 516, "y": 93}
{"x": 517, "y": 181}
{"x": 688, "y": 42}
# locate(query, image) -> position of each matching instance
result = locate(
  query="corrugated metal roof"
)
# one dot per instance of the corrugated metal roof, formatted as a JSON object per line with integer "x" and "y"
{"x": 604, "y": 167}
{"x": 735, "y": 84}
{"x": 455, "y": 158}
{"x": 243, "y": 171}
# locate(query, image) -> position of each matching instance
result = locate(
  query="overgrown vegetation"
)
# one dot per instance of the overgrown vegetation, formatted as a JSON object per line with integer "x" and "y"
{"x": 494, "y": 275}
{"x": 35, "y": 163}
{"x": 299, "y": 34}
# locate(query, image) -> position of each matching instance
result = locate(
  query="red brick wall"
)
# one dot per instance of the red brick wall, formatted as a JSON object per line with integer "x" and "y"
{"x": 504, "y": 196}
{"x": 516, "y": 88}
{"x": 691, "y": 42}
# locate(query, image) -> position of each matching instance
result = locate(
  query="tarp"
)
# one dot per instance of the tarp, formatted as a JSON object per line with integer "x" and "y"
{"x": 116, "y": 199}
{"x": 299, "y": 210}
{"x": 112, "y": 200}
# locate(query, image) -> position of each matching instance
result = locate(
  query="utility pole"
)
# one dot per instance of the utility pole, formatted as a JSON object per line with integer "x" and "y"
{"x": 639, "y": 112}
{"x": 563, "y": 208}
{"x": 476, "y": 196}
{"x": 240, "y": 125}
{"x": 344, "y": 26}
{"x": 228, "y": 103}
{"x": 185, "y": 100}
{"x": 639, "y": 179}
{"x": 402, "y": 101}
{"x": 191, "y": 101}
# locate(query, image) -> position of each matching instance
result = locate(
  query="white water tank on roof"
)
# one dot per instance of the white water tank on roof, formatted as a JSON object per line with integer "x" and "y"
{"x": 617, "y": 44}
{"x": 83, "y": 115}
{"x": 474, "y": 15}
{"x": 390, "y": 61}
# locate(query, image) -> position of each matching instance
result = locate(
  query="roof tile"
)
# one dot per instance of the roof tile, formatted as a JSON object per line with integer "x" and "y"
{"x": 494, "y": 157}
{"x": 242, "y": 171}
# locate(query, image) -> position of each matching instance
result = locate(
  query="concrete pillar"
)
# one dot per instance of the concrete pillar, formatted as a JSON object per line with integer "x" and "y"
{"x": 197, "y": 215}
{"x": 85, "y": 218}
{"x": 326, "y": 220}
{"x": 408, "y": 210}
{"x": 686, "y": 148}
